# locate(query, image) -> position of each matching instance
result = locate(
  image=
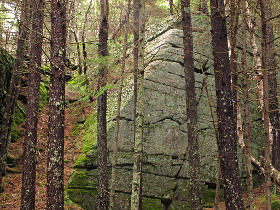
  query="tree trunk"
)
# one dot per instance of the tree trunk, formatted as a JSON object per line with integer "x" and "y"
{"x": 103, "y": 196}
{"x": 11, "y": 99}
{"x": 234, "y": 10}
{"x": 203, "y": 7}
{"x": 55, "y": 161}
{"x": 139, "y": 24}
{"x": 191, "y": 109}
{"x": 249, "y": 177}
{"x": 270, "y": 96}
{"x": 271, "y": 67}
{"x": 171, "y": 7}
{"x": 78, "y": 51}
{"x": 30, "y": 141}
{"x": 71, "y": 13}
{"x": 227, "y": 131}
{"x": 83, "y": 39}
{"x": 116, "y": 139}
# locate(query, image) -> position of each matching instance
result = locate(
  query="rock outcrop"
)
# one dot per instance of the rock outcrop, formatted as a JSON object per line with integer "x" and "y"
{"x": 165, "y": 163}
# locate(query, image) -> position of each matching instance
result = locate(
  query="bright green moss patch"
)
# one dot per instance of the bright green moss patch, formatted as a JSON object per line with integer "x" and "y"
{"x": 81, "y": 190}
{"x": 89, "y": 133}
{"x": 86, "y": 161}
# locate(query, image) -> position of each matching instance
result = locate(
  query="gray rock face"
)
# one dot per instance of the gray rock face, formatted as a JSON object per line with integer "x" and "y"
{"x": 165, "y": 166}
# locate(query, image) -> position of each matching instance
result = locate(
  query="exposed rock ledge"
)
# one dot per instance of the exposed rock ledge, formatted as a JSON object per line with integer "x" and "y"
{"x": 165, "y": 167}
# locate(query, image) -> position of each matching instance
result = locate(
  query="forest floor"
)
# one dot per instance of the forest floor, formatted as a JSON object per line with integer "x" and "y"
{"x": 10, "y": 199}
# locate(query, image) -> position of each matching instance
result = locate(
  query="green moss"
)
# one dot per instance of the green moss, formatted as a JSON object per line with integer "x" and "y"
{"x": 76, "y": 129}
{"x": 151, "y": 204}
{"x": 83, "y": 197}
{"x": 18, "y": 119}
{"x": 80, "y": 180}
{"x": 44, "y": 97}
{"x": 89, "y": 132}
{"x": 208, "y": 197}
{"x": 81, "y": 190}
{"x": 86, "y": 161}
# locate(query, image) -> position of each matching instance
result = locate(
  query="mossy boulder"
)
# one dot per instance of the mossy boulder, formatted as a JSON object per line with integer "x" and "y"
{"x": 165, "y": 160}
{"x": 6, "y": 67}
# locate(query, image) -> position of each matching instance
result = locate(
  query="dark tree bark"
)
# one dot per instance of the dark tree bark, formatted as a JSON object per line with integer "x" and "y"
{"x": 83, "y": 39}
{"x": 11, "y": 99}
{"x": 203, "y": 7}
{"x": 30, "y": 141}
{"x": 227, "y": 131}
{"x": 247, "y": 124}
{"x": 234, "y": 10}
{"x": 78, "y": 51}
{"x": 191, "y": 109}
{"x": 270, "y": 97}
{"x": 103, "y": 195}
{"x": 55, "y": 161}
{"x": 171, "y": 7}
{"x": 271, "y": 66}
{"x": 71, "y": 16}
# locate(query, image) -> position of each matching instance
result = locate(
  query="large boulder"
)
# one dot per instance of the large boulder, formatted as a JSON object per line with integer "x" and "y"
{"x": 165, "y": 161}
{"x": 6, "y": 67}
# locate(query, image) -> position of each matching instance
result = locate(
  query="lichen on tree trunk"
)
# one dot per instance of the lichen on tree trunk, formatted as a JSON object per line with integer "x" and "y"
{"x": 55, "y": 161}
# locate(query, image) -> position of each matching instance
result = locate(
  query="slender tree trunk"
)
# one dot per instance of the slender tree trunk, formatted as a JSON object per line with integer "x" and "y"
{"x": 267, "y": 146}
{"x": 71, "y": 18}
{"x": 249, "y": 177}
{"x": 83, "y": 38}
{"x": 234, "y": 10}
{"x": 30, "y": 141}
{"x": 191, "y": 109}
{"x": 271, "y": 67}
{"x": 171, "y": 7}
{"x": 116, "y": 139}
{"x": 103, "y": 196}
{"x": 139, "y": 24}
{"x": 11, "y": 99}
{"x": 78, "y": 51}
{"x": 136, "y": 10}
{"x": 270, "y": 100}
{"x": 55, "y": 161}
{"x": 209, "y": 100}
{"x": 203, "y": 7}
{"x": 1, "y": 27}
{"x": 227, "y": 131}
{"x": 121, "y": 24}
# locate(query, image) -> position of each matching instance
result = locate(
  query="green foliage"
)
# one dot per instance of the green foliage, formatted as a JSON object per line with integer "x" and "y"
{"x": 44, "y": 97}
{"x": 20, "y": 111}
{"x": 275, "y": 201}
{"x": 76, "y": 129}
{"x": 18, "y": 119}
{"x": 275, "y": 204}
{"x": 79, "y": 83}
